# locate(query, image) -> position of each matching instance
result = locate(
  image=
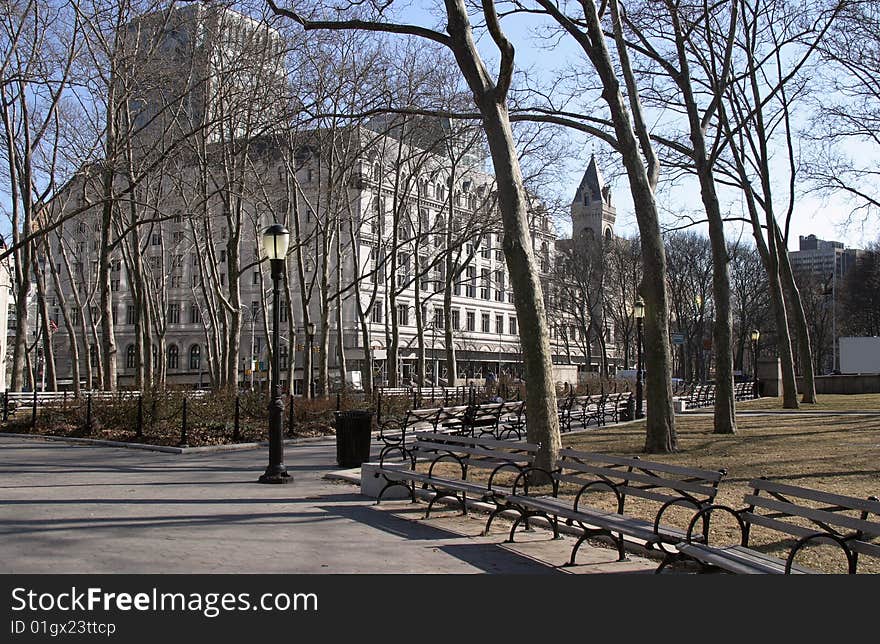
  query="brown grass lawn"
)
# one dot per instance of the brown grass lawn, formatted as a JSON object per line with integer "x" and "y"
{"x": 827, "y": 402}
{"x": 834, "y": 453}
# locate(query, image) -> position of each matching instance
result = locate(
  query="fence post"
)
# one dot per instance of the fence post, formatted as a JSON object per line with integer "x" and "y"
{"x": 34, "y": 413}
{"x": 89, "y": 414}
{"x": 413, "y": 392}
{"x": 183, "y": 425}
{"x": 139, "y": 430}
{"x": 236, "y": 435}
{"x": 5, "y": 405}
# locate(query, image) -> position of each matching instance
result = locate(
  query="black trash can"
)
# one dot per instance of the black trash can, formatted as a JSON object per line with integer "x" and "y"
{"x": 629, "y": 413}
{"x": 353, "y": 432}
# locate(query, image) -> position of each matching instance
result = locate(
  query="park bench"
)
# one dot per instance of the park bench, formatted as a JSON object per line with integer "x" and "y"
{"x": 629, "y": 498}
{"x": 616, "y": 406}
{"x": 453, "y": 420}
{"x": 744, "y": 391}
{"x": 700, "y": 396}
{"x": 563, "y": 410}
{"x": 477, "y": 465}
{"x": 511, "y": 420}
{"x": 393, "y": 432}
{"x": 482, "y": 420}
{"x": 801, "y": 517}
{"x": 589, "y": 409}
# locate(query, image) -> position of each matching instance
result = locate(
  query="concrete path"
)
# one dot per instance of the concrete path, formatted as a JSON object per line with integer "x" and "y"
{"x": 83, "y": 509}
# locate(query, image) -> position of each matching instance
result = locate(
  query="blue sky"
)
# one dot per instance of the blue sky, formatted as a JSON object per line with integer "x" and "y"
{"x": 827, "y": 218}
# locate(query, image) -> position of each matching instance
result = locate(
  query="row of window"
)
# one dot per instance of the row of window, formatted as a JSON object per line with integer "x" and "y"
{"x": 173, "y": 357}
{"x": 470, "y": 319}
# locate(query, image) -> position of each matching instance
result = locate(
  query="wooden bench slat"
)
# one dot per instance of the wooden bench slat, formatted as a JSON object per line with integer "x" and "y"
{"x": 871, "y": 528}
{"x": 475, "y": 451}
{"x": 485, "y": 442}
{"x": 816, "y": 495}
{"x": 711, "y": 475}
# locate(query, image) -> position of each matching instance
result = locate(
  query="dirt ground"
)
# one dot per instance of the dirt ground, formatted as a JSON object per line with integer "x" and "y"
{"x": 837, "y": 453}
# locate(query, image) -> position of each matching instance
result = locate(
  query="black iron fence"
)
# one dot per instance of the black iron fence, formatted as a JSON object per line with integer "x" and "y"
{"x": 167, "y": 417}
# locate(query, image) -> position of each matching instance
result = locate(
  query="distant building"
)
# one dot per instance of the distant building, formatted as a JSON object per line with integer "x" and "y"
{"x": 824, "y": 259}
{"x": 828, "y": 262}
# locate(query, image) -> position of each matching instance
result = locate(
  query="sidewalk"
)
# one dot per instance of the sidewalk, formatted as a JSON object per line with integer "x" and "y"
{"x": 85, "y": 509}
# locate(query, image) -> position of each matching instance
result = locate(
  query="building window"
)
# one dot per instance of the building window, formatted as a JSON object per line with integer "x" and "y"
{"x": 172, "y": 356}
{"x": 403, "y": 314}
{"x": 156, "y": 239}
{"x": 484, "y": 284}
{"x": 471, "y": 281}
{"x": 438, "y": 318}
{"x": 114, "y": 284}
{"x": 176, "y": 281}
{"x": 486, "y": 324}
{"x": 93, "y": 355}
{"x": 195, "y": 357}
{"x": 129, "y": 357}
{"x": 195, "y": 315}
{"x": 499, "y": 324}
{"x": 283, "y": 310}
{"x": 456, "y": 319}
{"x": 255, "y": 279}
{"x": 282, "y": 356}
{"x": 177, "y": 236}
{"x": 255, "y": 310}
{"x": 376, "y": 313}
{"x": 130, "y": 315}
{"x": 499, "y": 286}
{"x": 471, "y": 321}
{"x": 512, "y": 325}
{"x": 174, "y": 313}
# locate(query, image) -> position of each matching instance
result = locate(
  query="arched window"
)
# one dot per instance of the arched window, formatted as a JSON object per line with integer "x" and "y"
{"x": 172, "y": 356}
{"x": 129, "y": 357}
{"x": 608, "y": 234}
{"x": 195, "y": 357}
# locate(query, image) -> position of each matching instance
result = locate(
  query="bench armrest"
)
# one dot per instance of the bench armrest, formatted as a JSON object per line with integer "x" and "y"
{"x": 599, "y": 483}
{"x": 704, "y": 514}
{"x": 522, "y": 480}
{"x": 822, "y": 536}
{"x": 406, "y": 454}
{"x": 448, "y": 456}
{"x": 681, "y": 500}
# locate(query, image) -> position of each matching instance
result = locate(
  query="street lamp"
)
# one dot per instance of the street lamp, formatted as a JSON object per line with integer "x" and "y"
{"x": 756, "y": 335}
{"x": 639, "y": 314}
{"x": 275, "y": 240}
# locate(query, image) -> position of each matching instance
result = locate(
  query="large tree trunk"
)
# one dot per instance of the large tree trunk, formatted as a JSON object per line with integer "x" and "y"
{"x": 542, "y": 420}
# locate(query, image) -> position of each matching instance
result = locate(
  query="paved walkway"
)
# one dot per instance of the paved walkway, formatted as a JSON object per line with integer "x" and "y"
{"x": 84, "y": 509}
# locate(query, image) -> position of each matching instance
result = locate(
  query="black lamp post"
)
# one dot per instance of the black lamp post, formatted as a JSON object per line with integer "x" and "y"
{"x": 275, "y": 240}
{"x": 756, "y": 335}
{"x": 639, "y": 314}
{"x": 311, "y": 350}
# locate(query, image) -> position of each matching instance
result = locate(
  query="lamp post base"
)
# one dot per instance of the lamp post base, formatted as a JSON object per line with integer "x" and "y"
{"x": 276, "y": 474}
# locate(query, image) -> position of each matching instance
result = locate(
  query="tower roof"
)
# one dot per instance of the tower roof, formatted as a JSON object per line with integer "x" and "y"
{"x": 592, "y": 183}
